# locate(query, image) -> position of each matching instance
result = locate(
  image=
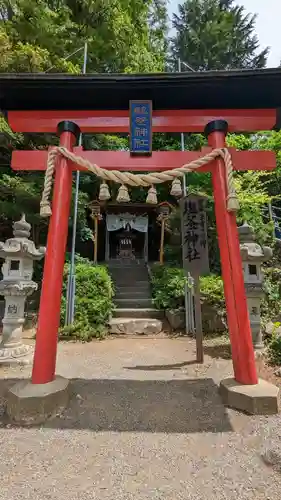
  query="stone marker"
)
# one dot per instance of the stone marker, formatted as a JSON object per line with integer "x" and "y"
{"x": 19, "y": 253}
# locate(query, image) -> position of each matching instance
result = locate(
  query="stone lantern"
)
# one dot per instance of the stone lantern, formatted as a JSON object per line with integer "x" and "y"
{"x": 253, "y": 255}
{"x": 18, "y": 253}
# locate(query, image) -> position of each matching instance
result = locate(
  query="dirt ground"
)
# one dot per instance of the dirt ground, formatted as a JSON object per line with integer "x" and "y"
{"x": 144, "y": 422}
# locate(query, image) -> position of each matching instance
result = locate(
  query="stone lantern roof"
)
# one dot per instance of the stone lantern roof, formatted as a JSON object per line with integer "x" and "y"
{"x": 20, "y": 245}
{"x": 249, "y": 249}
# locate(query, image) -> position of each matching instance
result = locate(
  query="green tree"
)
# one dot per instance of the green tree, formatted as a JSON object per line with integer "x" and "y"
{"x": 37, "y": 36}
{"x": 33, "y": 37}
{"x": 216, "y": 35}
{"x": 271, "y": 140}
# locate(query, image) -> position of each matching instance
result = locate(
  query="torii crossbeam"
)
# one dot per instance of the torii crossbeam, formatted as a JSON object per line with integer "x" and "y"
{"x": 159, "y": 161}
{"x": 214, "y": 103}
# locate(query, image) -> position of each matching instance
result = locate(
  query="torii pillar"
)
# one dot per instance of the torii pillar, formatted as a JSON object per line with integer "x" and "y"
{"x": 231, "y": 264}
{"x": 47, "y": 392}
{"x": 44, "y": 365}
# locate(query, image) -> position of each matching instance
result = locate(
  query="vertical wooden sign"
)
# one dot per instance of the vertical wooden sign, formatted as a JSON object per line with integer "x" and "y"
{"x": 195, "y": 253}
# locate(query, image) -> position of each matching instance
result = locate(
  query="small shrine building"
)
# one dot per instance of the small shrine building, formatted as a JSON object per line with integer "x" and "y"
{"x": 127, "y": 231}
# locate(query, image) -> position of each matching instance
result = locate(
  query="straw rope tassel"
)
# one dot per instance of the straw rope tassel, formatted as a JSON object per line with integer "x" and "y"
{"x": 104, "y": 193}
{"x": 123, "y": 194}
{"x": 135, "y": 180}
{"x": 176, "y": 189}
{"x": 152, "y": 196}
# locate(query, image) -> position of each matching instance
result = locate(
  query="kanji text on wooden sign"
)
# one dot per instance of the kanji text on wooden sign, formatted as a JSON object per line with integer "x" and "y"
{"x": 141, "y": 127}
{"x": 194, "y": 234}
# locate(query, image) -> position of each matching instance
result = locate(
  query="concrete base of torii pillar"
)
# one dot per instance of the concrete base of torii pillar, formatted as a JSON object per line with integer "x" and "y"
{"x": 33, "y": 404}
{"x": 257, "y": 399}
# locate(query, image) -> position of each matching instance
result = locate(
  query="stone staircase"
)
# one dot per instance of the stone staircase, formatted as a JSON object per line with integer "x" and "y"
{"x": 134, "y": 312}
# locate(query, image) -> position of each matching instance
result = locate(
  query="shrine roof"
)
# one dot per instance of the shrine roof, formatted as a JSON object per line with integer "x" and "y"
{"x": 239, "y": 89}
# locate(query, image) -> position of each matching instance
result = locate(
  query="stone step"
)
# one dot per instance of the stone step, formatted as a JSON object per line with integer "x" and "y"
{"x": 130, "y": 283}
{"x": 126, "y": 262}
{"x": 135, "y": 294}
{"x": 133, "y": 302}
{"x": 135, "y": 326}
{"x": 129, "y": 266}
{"x": 134, "y": 276}
{"x": 131, "y": 272}
{"x": 148, "y": 312}
{"x": 133, "y": 288}
{"x": 132, "y": 269}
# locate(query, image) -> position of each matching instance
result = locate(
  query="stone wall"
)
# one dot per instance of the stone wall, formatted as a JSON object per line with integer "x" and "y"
{"x": 213, "y": 320}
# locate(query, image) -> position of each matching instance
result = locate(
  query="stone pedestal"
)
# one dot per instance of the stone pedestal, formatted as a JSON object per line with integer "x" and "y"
{"x": 255, "y": 294}
{"x": 12, "y": 349}
{"x": 19, "y": 253}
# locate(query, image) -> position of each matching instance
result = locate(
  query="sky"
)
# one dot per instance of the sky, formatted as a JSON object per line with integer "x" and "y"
{"x": 267, "y": 24}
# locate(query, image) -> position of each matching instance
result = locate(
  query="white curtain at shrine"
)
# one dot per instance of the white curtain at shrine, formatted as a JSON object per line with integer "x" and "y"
{"x": 115, "y": 222}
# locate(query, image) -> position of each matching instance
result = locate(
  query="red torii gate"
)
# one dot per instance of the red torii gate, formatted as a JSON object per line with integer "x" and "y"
{"x": 68, "y": 125}
{"x": 49, "y": 313}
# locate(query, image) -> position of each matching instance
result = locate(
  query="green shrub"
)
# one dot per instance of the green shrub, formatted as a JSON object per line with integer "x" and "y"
{"x": 271, "y": 304}
{"x": 211, "y": 289}
{"x": 213, "y": 305}
{"x": 82, "y": 332}
{"x": 78, "y": 259}
{"x": 271, "y": 311}
{"x": 274, "y": 347}
{"x": 168, "y": 287}
{"x": 93, "y": 302}
{"x": 168, "y": 293}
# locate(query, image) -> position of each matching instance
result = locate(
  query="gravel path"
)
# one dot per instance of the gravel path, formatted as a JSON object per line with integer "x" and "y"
{"x": 144, "y": 422}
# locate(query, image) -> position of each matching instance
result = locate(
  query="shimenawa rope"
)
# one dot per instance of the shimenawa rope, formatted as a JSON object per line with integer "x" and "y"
{"x": 145, "y": 180}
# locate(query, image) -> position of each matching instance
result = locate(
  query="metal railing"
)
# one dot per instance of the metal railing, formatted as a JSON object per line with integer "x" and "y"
{"x": 273, "y": 213}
